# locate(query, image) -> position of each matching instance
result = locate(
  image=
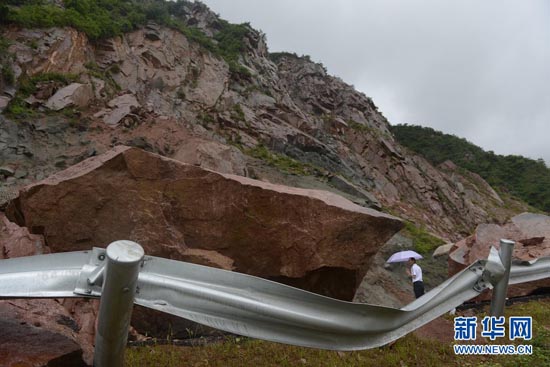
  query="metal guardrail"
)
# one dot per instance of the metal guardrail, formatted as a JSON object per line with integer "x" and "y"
{"x": 239, "y": 303}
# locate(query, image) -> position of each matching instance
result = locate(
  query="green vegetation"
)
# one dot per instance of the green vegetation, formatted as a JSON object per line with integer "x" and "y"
{"x": 18, "y": 108}
{"x": 237, "y": 113}
{"x": 7, "y": 75}
{"x": 97, "y": 18}
{"x": 106, "y": 75}
{"x": 206, "y": 118}
{"x": 4, "y": 44}
{"x": 27, "y": 85}
{"x": 359, "y": 127}
{"x": 101, "y": 19}
{"x": 180, "y": 93}
{"x": 282, "y": 162}
{"x": 277, "y": 56}
{"x": 424, "y": 242}
{"x": 230, "y": 45}
{"x": 229, "y": 41}
{"x": 407, "y": 351}
{"x": 522, "y": 177}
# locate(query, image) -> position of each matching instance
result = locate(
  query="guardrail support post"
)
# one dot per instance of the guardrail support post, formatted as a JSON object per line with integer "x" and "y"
{"x": 117, "y": 301}
{"x": 499, "y": 291}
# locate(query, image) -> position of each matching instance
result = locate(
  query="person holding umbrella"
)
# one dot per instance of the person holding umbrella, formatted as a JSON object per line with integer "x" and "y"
{"x": 415, "y": 273}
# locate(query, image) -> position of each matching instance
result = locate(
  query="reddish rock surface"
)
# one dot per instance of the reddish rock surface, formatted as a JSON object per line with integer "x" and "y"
{"x": 64, "y": 331}
{"x": 184, "y": 212}
{"x": 16, "y": 241}
{"x": 38, "y": 333}
{"x": 531, "y": 232}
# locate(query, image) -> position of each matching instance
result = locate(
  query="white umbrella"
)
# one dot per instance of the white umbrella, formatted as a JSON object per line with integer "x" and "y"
{"x": 403, "y": 256}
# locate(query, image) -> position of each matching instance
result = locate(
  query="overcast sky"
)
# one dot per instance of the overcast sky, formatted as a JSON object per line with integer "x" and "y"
{"x": 479, "y": 69}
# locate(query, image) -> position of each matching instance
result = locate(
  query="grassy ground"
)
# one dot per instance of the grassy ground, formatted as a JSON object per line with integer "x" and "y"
{"x": 407, "y": 351}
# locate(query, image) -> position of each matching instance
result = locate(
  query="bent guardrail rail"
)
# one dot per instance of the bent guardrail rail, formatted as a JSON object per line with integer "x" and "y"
{"x": 249, "y": 305}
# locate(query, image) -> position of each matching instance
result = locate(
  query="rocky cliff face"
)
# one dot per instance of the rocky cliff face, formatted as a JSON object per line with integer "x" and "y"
{"x": 282, "y": 119}
{"x": 277, "y": 118}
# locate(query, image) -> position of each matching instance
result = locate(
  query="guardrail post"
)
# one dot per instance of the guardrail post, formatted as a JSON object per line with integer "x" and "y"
{"x": 499, "y": 291}
{"x": 117, "y": 301}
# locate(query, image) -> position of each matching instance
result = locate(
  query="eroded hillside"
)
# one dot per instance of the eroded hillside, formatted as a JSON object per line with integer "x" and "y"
{"x": 280, "y": 118}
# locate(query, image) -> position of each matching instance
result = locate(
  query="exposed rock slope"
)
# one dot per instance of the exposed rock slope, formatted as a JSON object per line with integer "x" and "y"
{"x": 154, "y": 88}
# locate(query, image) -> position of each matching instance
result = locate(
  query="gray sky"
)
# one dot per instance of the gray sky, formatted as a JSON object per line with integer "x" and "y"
{"x": 479, "y": 69}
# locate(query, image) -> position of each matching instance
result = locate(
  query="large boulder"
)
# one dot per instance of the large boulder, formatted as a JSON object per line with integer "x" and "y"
{"x": 312, "y": 239}
{"x": 531, "y": 233}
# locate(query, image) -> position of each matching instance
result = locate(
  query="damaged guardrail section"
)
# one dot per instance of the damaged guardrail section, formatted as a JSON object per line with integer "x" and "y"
{"x": 238, "y": 303}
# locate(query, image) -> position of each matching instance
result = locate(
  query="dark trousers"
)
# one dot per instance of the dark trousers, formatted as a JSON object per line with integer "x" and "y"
{"x": 418, "y": 288}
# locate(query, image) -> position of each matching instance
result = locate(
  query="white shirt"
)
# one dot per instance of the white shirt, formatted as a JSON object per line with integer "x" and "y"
{"x": 416, "y": 273}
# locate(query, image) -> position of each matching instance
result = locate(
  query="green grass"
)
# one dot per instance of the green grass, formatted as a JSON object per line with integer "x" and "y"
{"x": 237, "y": 113}
{"x": 27, "y": 85}
{"x": 424, "y": 242}
{"x": 281, "y": 162}
{"x": 239, "y": 352}
{"x": 407, "y": 351}
{"x": 359, "y": 127}
{"x": 104, "y": 74}
{"x": 7, "y": 75}
{"x": 206, "y": 118}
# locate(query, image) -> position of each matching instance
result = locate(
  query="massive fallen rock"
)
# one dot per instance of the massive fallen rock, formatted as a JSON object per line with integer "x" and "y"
{"x": 312, "y": 239}
{"x": 531, "y": 233}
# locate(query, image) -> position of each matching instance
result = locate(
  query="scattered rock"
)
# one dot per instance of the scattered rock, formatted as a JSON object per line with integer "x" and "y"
{"x": 7, "y": 171}
{"x": 75, "y": 94}
{"x": 531, "y": 233}
{"x": 122, "y": 107}
{"x": 99, "y": 87}
{"x": 6, "y": 194}
{"x": 16, "y": 241}
{"x": 30, "y": 337}
{"x": 45, "y": 90}
{"x": 443, "y": 250}
{"x": 33, "y": 102}
{"x": 4, "y": 101}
